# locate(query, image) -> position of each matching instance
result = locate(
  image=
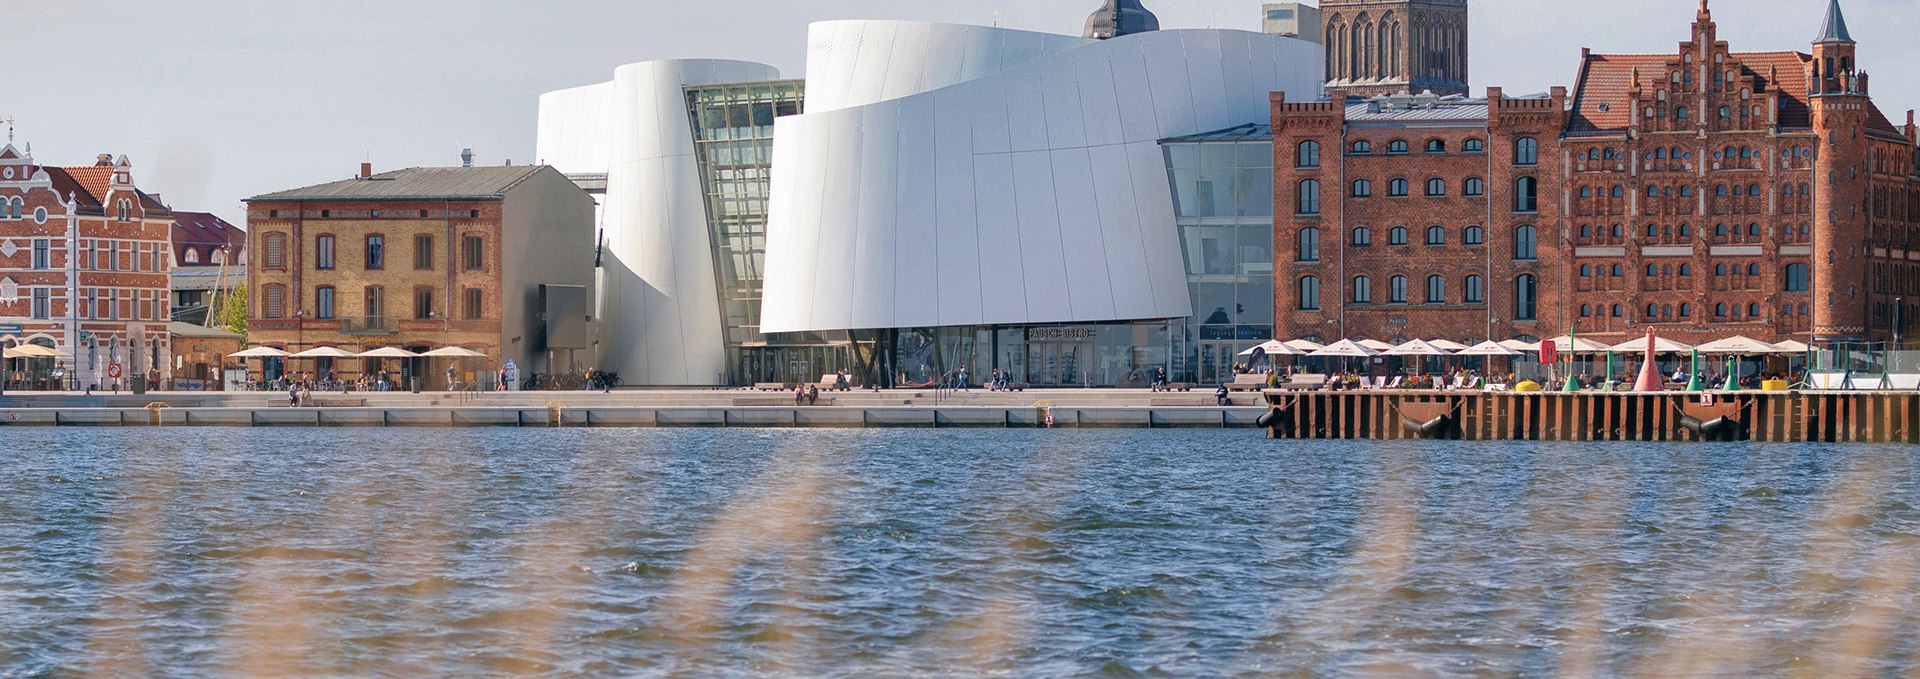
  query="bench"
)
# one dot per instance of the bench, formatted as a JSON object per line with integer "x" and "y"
{"x": 339, "y": 403}
{"x": 1180, "y": 386}
{"x": 1189, "y": 402}
{"x": 772, "y": 386}
{"x": 829, "y": 382}
{"x": 776, "y": 402}
{"x": 1304, "y": 382}
{"x": 1248, "y": 383}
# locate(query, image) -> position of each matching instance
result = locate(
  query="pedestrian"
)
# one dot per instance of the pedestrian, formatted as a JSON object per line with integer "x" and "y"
{"x": 293, "y": 396}
{"x": 962, "y": 377}
{"x": 1221, "y": 397}
{"x": 1160, "y": 379}
{"x": 840, "y": 381}
{"x": 501, "y": 381}
{"x": 800, "y": 395}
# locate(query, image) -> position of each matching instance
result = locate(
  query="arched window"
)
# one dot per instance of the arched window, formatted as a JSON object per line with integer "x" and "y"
{"x": 1753, "y": 189}
{"x": 1616, "y": 311}
{"x": 1397, "y": 187}
{"x": 1660, "y": 154}
{"x": 1686, "y": 269}
{"x": 15, "y": 206}
{"x": 1619, "y": 271}
{"x": 191, "y": 256}
{"x": 1719, "y": 269}
{"x": 1686, "y": 192}
{"x": 1653, "y": 311}
{"x": 1526, "y": 151}
{"x": 1362, "y": 237}
{"x": 1586, "y": 192}
{"x": 1474, "y": 186}
{"x": 1436, "y": 235}
{"x": 1436, "y": 187}
{"x": 1307, "y": 198}
{"x": 273, "y": 250}
{"x": 1686, "y": 310}
{"x": 1524, "y": 245}
{"x": 1436, "y": 146}
{"x": 1525, "y": 196}
{"x": 1474, "y": 235}
{"x": 1307, "y": 155}
{"x": 1586, "y": 311}
{"x": 1362, "y": 290}
{"x": 1586, "y": 270}
{"x": 1474, "y": 146}
{"x": 1397, "y": 147}
{"x": 1653, "y": 270}
{"x": 1397, "y": 290}
{"x": 1681, "y": 112}
{"x": 1309, "y": 293}
{"x": 1720, "y": 230}
{"x": 1616, "y": 192}
{"x": 1436, "y": 290}
{"x": 1615, "y": 230}
{"x": 1720, "y": 190}
{"x": 1653, "y": 192}
{"x": 1753, "y": 269}
{"x": 1586, "y": 231}
{"x": 1686, "y": 231}
{"x": 1753, "y": 310}
{"x": 1397, "y": 235}
{"x": 1475, "y": 290}
{"x": 1525, "y": 305}
{"x": 1362, "y": 188}
{"x": 1653, "y": 230}
{"x": 1796, "y": 278}
{"x": 1361, "y": 148}
{"x": 1309, "y": 245}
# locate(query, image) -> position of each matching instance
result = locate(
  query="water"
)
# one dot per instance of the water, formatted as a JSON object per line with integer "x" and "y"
{"x": 195, "y": 552}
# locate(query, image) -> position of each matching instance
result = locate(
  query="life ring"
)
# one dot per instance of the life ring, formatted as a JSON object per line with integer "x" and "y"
{"x": 1708, "y": 399}
{"x": 1049, "y": 418}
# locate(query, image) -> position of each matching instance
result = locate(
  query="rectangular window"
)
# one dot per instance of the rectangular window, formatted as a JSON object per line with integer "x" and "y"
{"x": 274, "y": 251}
{"x": 473, "y": 253}
{"x": 376, "y": 252}
{"x": 423, "y": 253}
{"x": 375, "y": 304}
{"x": 323, "y": 303}
{"x": 422, "y": 303}
{"x": 473, "y": 304}
{"x": 42, "y": 303}
{"x": 274, "y": 302}
{"x": 40, "y": 255}
{"x": 323, "y": 252}
{"x": 113, "y": 255}
{"x": 113, "y": 306}
{"x": 86, "y": 262}
{"x": 86, "y": 312}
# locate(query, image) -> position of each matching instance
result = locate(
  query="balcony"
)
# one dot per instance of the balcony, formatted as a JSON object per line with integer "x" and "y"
{"x": 369, "y": 325}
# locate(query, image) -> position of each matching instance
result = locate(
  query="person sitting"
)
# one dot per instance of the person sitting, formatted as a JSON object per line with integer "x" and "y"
{"x": 813, "y": 396}
{"x": 1221, "y": 397}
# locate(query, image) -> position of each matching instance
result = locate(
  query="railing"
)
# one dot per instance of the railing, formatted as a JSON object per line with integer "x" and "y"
{"x": 369, "y": 325}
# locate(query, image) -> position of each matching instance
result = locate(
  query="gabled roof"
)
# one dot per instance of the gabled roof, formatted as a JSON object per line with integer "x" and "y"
{"x": 1834, "y": 29}
{"x": 205, "y": 228}
{"x": 89, "y": 187}
{"x": 1605, "y": 80}
{"x": 416, "y": 183}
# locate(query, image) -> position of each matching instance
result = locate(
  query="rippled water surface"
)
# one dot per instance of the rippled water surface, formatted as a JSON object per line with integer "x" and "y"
{"x": 190, "y": 552}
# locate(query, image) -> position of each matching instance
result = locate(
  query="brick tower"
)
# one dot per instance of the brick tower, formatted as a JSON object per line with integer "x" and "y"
{"x": 1395, "y": 46}
{"x": 1840, "y": 114}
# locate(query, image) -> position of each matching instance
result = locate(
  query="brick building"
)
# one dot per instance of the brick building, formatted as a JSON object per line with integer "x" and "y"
{"x": 1389, "y": 47}
{"x": 1704, "y": 193}
{"x": 83, "y": 271}
{"x": 420, "y": 258}
{"x": 1415, "y": 217}
{"x": 209, "y": 260}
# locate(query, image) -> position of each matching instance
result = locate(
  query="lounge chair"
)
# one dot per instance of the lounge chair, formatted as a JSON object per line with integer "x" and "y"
{"x": 1395, "y": 384}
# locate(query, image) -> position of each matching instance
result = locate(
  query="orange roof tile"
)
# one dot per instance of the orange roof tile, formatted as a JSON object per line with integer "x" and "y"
{"x": 1605, "y": 79}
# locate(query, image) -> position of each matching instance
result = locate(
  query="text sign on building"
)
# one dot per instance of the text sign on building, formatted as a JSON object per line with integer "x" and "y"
{"x": 1059, "y": 334}
{"x": 9, "y": 328}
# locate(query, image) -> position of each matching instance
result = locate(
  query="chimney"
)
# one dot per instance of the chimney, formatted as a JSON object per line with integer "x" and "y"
{"x": 366, "y": 170}
{"x": 466, "y": 157}
{"x": 103, "y": 160}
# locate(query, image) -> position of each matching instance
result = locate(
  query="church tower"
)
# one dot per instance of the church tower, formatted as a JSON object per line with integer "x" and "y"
{"x": 1116, "y": 18}
{"x": 1395, "y": 46}
{"x": 1840, "y": 111}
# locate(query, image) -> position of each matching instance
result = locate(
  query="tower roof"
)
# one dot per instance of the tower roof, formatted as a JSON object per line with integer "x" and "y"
{"x": 1835, "y": 27}
{"x": 1116, "y": 18}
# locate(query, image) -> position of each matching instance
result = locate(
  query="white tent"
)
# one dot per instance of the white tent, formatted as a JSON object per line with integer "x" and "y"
{"x": 259, "y": 352}
{"x": 454, "y": 352}
{"x": 1308, "y": 346}
{"x": 1661, "y": 345}
{"x": 1417, "y": 348}
{"x": 323, "y": 352}
{"x": 1346, "y": 349}
{"x": 1489, "y": 349}
{"x": 1582, "y": 346}
{"x": 1738, "y": 344}
{"x": 1793, "y": 347}
{"x": 387, "y": 352}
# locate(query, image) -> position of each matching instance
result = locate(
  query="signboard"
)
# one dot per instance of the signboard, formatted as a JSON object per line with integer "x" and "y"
{"x": 113, "y": 370}
{"x": 9, "y": 328}
{"x": 1059, "y": 334}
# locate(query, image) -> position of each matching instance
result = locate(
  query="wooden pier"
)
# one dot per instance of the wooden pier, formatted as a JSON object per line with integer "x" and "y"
{"x": 1831, "y": 417}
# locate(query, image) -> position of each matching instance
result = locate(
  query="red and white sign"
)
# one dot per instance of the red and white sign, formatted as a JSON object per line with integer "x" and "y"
{"x": 113, "y": 370}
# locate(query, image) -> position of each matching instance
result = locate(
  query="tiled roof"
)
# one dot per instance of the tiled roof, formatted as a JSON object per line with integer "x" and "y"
{"x": 1792, "y": 67}
{"x": 416, "y": 183}
{"x": 204, "y": 228}
{"x": 1600, "y": 92}
{"x": 89, "y": 185}
{"x": 1458, "y": 109}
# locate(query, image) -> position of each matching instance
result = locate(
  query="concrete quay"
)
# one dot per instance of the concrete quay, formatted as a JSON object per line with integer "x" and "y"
{"x": 1082, "y": 408}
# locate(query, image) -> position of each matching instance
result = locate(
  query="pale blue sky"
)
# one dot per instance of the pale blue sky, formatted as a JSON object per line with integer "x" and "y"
{"x": 217, "y": 100}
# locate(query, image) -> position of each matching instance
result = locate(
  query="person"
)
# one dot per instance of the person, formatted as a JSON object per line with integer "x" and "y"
{"x": 293, "y": 396}
{"x": 1221, "y": 396}
{"x": 1273, "y": 380}
{"x": 813, "y": 396}
{"x": 1680, "y": 375}
{"x": 1160, "y": 379}
{"x": 840, "y": 381}
{"x": 962, "y": 377}
{"x": 800, "y": 395}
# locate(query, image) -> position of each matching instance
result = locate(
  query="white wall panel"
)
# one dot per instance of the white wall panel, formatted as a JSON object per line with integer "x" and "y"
{"x": 1113, "y": 194}
{"x": 1027, "y": 111}
{"x": 954, "y": 251}
{"x": 915, "y": 284}
{"x": 871, "y": 295}
{"x": 1129, "y": 66}
{"x": 1083, "y": 242}
{"x": 1099, "y": 100}
{"x": 1066, "y": 124}
{"x": 1000, "y": 252}
{"x": 1043, "y": 253}
{"x": 1210, "y": 108}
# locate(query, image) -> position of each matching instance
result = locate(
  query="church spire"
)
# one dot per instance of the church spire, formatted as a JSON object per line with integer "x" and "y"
{"x": 1835, "y": 27}
{"x": 1116, "y": 18}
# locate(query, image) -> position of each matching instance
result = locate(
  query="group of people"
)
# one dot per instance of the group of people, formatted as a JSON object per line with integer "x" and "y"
{"x": 1002, "y": 380}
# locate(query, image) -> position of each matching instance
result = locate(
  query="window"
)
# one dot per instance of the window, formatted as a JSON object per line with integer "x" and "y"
{"x": 273, "y": 250}
{"x": 1719, "y": 269}
{"x": 113, "y": 255}
{"x": 1436, "y": 187}
{"x": 471, "y": 306}
{"x": 1686, "y": 311}
{"x": 1753, "y": 310}
{"x": 1681, "y": 113}
{"x": 1436, "y": 235}
{"x": 1796, "y": 278}
{"x": 1397, "y": 236}
{"x": 1524, "y": 195}
{"x": 1309, "y": 293}
{"x": 1361, "y": 148}
{"x": 14, "y": 207}
{"x": 422, "y": 303}
{"x": 1617, "y": 311}
{"x": 1586, "y": 311}
{"x": 1719, "y": 311}
{"x": 376, "y": 252}
{"x": 1586, "y": 270}
{"x": 323, "y": 252}
{"x": 42, "y": 303}
{"x": 1308, "y": 198}
{"x": 1619, "y": 271}
{"x": 1474, "y": 146}
{"x": 1653, "y": 230}
{"x": 40, "y": 254}
{"x": 1397, "y": 147}
{"x": 1686, "y": 269}
{"x": 1753, "y": 269}
{"x": 1362, "y": 188}
{"x": 1526, "y": 151}
{"x": 1308, "y": 249}
{"x": 1436, "y": 146}
{"x": 423, "y": 252}
{"x": 273, "y": 301}
{"x": 1362, "y": 237}
{"x": 1474, "y": 235}
{"x": 1586, "y": 192}
{"x": 374, "y": 303}
{"x": 1362, "y": 290}
{"x": 1397, "y": 188}
{"x": 191, "y": 256}
{"x": 473, "y": 253}
{"x": 1307, "y": 155}
{"x": 1524, "y": 303}
{"x": 1524, "y": 245}
{"x": 1725, "y": 112}
{"x": 1474, "y": 186}
{"x": 323, "y": 303}
{"x": 1436, "y": 290}
{"x": 1397, "y": 290}
{"x": 1475, "y": 290}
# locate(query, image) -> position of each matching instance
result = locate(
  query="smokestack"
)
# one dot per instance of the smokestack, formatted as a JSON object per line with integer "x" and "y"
{"x": 466, "y": 157}
{"x": 366, "y": 170}
{"x": 103, "y": 160}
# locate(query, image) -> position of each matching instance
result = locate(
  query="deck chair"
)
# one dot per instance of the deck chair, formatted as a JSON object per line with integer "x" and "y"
{"x": 1395, "y": 384}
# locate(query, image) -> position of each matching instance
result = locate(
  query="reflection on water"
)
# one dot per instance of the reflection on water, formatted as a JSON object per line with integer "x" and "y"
{"x": 853, "y": 553}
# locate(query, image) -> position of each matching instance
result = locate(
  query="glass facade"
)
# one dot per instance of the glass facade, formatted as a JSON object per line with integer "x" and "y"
{"x": 1223, "y": 199}
{"x": 1081, "y": 355}
{"x": 733, "y": 140}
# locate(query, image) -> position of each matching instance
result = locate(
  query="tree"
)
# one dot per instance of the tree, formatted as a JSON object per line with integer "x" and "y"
{"x": 233, "y": 310}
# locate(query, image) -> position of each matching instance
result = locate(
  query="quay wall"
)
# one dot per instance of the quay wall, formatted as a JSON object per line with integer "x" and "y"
{"x": 929, "y": 417}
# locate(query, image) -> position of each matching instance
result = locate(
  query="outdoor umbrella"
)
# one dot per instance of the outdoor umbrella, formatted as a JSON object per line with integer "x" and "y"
{"x": 1449, "y": 345}
{"x": 1523, "y": 347}
{"x": 1734, "y": 348}
{"x": 323, "y": 352}
{"x": 1375, "y": 345}
{"x": 33, "y": 351}
{"x": 1793, "y": 347}
{"x": 1489, "y": 348}
{"x": 1346, "y": 349}
{"x": 259, "y": 352}
{"x": 1573, "y": 345}
{"x": 1417, "y": 348}
{"x": 454, "y": 352}
{"x": 387, "y": 352}
{"x": 1305, "y": 345}
{"x": 1661, "y": 345}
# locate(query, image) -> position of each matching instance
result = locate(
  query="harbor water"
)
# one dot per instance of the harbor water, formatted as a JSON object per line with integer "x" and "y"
{"x": 593, "y": 552}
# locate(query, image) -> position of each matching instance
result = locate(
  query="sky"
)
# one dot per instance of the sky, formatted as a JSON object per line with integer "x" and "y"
{"x": 217, "y": 100}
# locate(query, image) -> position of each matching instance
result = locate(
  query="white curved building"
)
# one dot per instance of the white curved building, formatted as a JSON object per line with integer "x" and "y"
{"x": 658, "y": 303}
{"x": 973, "y": 176}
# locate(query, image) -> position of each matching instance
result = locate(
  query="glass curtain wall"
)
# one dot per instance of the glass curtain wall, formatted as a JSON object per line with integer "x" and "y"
{"x": 1223, "y": 199}
{"x": 733, "y": 140}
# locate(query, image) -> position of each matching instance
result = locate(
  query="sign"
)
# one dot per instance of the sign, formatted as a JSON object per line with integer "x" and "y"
{"x": 113, "y": 370}
{"x": 9, "y": 328}
{"x": 1059, "y": 334}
